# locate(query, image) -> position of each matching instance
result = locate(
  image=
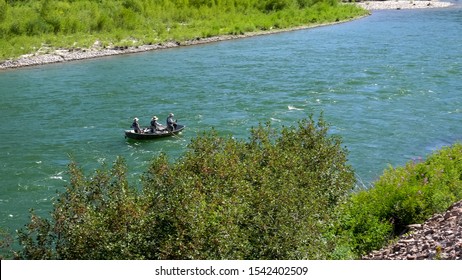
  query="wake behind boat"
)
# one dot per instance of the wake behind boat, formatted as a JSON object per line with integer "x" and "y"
{"x": 148, "y": 134}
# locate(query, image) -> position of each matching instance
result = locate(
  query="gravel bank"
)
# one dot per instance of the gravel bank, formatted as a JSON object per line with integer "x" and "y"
{"x": 402, "y": 5}
{"x": 48, "y": 55}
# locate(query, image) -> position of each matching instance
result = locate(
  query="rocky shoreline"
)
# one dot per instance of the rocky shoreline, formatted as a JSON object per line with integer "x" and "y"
{"x": 402, "y": 4}
{"x": 48, "y": 55}
{"x": 439, "y": 238}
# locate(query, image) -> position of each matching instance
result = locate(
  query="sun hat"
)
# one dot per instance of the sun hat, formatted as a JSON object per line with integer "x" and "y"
{"x": 155, "y": 118}
{"x": 135, "y": 119}
{"x": 170, "y": 115}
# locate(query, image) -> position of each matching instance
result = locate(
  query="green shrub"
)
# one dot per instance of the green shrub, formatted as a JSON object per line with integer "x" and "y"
{"x": 268, "y": 198}
{"x": 265, "y": 199}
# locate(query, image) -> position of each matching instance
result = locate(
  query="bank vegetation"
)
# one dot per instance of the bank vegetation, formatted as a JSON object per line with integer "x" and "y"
{"x": 28, "y": 27}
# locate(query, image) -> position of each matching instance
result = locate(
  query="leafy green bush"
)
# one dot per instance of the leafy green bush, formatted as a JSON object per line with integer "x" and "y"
{"x": 96, "y": 218}
{"x": 268, "y": 198}
{"x": 402, "y": 196}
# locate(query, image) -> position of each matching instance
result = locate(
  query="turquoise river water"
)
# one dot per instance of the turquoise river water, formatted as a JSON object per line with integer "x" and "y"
{"x": 389, "y": 84}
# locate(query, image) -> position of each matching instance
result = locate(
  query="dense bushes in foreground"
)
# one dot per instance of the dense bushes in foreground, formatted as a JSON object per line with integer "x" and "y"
{"x": 284, "y": 194}
{"x": 268, "y": 198}
{"x": 26, "y": 26}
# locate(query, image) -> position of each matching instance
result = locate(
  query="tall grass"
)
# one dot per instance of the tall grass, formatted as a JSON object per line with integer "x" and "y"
{"x": 148, "y": 21}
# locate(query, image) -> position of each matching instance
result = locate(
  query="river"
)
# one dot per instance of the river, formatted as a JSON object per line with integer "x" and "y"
{"x": 389, "y": 85}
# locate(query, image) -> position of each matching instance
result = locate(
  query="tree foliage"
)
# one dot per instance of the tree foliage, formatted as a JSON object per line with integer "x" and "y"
{"x": 265, "y": 198}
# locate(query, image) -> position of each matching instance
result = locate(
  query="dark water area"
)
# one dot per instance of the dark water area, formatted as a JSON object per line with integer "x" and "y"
{"x": 389, "y": 84}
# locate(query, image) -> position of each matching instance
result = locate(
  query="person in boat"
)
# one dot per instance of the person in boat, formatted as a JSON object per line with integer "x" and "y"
{"x": 155, "y": 125}
{"x": 136, "y": 126}
{"x": 171, "y": 123}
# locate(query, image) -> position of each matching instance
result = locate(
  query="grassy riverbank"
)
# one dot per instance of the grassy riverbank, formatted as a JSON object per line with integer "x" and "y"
{"x": 372, "y": 218}
{"x": 28, "y": 27}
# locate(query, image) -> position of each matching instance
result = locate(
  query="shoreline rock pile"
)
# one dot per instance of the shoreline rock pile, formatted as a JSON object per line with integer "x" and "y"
{"x": 439, "y": 238}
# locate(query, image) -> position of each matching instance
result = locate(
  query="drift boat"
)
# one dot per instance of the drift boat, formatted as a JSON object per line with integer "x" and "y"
{"x": 148, "y": 134}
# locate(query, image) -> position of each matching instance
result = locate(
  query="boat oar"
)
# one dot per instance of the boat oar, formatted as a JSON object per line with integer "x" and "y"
{"x": 174, "y": 135}
{"x": 173, "y": 131}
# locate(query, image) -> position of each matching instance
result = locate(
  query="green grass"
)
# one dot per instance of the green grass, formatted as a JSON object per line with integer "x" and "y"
{"x": 27, "y": 25}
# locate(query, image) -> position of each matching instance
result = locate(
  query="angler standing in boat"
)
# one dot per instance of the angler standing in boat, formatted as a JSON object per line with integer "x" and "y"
{"x": 171, "y": 123}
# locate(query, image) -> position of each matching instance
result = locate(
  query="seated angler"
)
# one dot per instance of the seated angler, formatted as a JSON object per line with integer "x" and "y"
{"x": 155, "y": 125}
{"x": 136, "y": 126}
